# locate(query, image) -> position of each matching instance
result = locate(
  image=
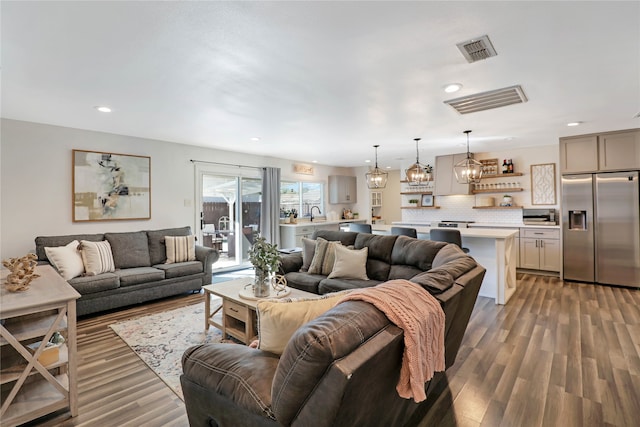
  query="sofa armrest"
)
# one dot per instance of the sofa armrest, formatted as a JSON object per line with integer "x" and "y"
{"x": 239, "y": 373}
{"x": 290, "y": 263}
{"x": 207, "y": 256}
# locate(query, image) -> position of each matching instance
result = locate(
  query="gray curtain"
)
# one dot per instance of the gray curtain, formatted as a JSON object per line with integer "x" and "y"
{"x": 270, "y": 206}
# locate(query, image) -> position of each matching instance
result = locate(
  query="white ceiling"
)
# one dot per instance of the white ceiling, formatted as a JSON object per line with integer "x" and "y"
{"x": 321, "y": 80}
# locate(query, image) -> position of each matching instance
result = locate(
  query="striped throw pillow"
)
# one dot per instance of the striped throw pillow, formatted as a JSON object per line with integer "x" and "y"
{"x": 97, "y": 257}
{"x": 180, "y": 248}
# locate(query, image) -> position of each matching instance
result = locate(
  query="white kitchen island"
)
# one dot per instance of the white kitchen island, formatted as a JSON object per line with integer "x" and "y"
{"x": 493, "y": 248}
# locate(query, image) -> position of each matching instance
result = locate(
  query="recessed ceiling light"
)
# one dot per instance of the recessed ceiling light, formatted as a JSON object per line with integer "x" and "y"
{"x": 452, "y": 87}
{"x": 388, "y": 167}
{"x": 102, "y": 109}
{"x": 367, "y": 161}
{"x": 314, "y": 161}
{"x": 255, "y": 139}
{"x": 574, "y": 123}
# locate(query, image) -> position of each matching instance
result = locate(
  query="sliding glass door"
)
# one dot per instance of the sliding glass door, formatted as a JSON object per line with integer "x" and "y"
{"x": 229, "y": 216}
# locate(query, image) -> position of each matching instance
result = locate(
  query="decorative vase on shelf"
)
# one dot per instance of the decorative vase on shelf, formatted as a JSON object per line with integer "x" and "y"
{"x": 261, "y": 283}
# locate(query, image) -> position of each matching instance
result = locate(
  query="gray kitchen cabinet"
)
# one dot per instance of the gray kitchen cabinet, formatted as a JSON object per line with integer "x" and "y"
{"x": 291, "y": 235}
{"x": 600, "y": 152}
{"x": 343, "y": 189}
{"x": 619, "y": 150}
{"x": 445, "y": 180}
{"x": 579, "y": 154}
{"x": 540, "y": 249}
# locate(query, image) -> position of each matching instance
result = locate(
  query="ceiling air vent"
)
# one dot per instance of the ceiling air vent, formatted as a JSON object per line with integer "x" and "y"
{"x": 488, "y": 100}
{"x": 477, "y": 49}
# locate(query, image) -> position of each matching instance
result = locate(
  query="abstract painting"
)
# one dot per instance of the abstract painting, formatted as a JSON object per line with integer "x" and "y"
{"x": 109, "y": 186}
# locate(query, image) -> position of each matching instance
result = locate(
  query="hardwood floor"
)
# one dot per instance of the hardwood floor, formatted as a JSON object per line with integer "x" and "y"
{"x": 559, "y": 354}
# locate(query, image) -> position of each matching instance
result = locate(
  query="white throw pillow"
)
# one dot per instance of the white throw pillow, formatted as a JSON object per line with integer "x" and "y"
{"x": 97, "y": 257}
{"x": 66, "y": 259}
{"x": 350, "y": 263}
{"x": 279, "y": 319}
{"x": 180, "y": 248}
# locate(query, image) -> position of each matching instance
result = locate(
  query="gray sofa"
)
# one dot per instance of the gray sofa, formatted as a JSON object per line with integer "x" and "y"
{"x": 340, "y": 369}
{"x": 141, "y": 274}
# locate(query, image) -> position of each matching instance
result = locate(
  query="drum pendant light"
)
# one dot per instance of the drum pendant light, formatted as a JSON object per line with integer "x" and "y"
{"x": 418, "y": 174}
{"x": 376, "y": 178}
{"x": 469, "y": 170}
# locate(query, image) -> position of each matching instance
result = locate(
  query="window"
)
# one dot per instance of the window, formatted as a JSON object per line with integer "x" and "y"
{"x": 301, "y": 196}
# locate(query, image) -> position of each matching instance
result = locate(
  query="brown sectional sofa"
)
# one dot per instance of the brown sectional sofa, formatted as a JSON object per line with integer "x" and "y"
{"x": 141, "y": 274}
{"x": 340, "y": 369}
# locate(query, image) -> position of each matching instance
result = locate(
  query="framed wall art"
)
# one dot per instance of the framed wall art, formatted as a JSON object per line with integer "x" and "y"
{"x": 543, "y": 184}
{"x": 110, "y": 186}
{"x": 427, "y": 200}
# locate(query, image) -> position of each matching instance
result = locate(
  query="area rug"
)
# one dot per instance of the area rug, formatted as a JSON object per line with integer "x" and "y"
{"x": 161, "y": 339}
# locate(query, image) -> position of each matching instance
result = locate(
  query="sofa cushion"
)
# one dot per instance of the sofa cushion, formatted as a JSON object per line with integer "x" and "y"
{"x": 157, "y": 249}
{"x": 97, "y": 257}
{"x": 52, "y": 241}
{"x": 347, "y": 238}
{"x": 412, "y": 256}
{"x": 129, "y": 249}
{"x": 279, "y": 319}
{"x": 304, "y": 281}
{"x": 134, "y": 276}
{"x": 349, "y": 263}
{"x": 180, "y": 248}
{"x": 66, "y": 259}
{"x": 435, "y": 282}
{"x": 180, "y": 269}
{"x": 379, "y": 258}
{"x": 92, "y": 284}
{"x": 335, "y": 285}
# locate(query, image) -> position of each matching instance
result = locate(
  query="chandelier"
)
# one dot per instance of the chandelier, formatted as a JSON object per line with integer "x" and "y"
{"x": 418, "y": 173}
{"x": 376, "y": 178}
{"x": 469, "y": 170}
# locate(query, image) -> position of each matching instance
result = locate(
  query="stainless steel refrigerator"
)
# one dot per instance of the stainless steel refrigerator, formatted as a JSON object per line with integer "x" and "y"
{"x": 601, "y": 228}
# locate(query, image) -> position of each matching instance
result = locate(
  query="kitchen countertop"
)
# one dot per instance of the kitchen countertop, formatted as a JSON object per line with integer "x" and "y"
{"x": 495, "y": 233}
{"x": 307, "y": 223}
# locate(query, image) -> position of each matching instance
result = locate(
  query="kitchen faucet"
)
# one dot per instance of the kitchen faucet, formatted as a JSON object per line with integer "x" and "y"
{"x": 312, "y": 211}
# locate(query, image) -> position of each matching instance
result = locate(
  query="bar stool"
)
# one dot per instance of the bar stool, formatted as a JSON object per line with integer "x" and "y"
{"x": 360, "y": 228}
{"x": 449, "y": 236}
{"x": 404, "y": 231}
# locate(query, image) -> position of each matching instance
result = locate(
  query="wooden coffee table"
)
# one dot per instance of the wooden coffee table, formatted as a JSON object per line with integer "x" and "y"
{"x": 236, "y": 316}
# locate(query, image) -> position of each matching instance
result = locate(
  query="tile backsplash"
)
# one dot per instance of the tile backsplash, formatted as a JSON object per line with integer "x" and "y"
{"x": 460, "y": 208}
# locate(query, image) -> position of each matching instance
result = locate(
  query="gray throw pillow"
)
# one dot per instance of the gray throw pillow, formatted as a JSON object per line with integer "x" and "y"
{"x": 308, "y": 251}
{"x": 129, "y": 249}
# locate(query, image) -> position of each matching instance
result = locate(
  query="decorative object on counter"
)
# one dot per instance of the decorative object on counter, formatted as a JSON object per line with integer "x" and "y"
{"x": 507, "y": 200}
{"x": 376, "y": 178}
{"x": 427, "y": 200}
{"x": 22, "y": 272}
{"x": 418, "y": 174}
{"x": 469, "y": 170}
{"x": 347, "y": 214}
{"x": 265, "y": 259}
{"x": 543, "y": 184}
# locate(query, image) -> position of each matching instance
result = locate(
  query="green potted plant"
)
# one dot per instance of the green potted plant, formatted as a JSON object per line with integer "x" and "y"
{"x": 265, "y": 259}
{"x": 413, "y": 202}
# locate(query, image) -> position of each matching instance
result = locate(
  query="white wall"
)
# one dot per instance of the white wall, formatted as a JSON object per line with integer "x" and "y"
{"x": 35, "y": 191}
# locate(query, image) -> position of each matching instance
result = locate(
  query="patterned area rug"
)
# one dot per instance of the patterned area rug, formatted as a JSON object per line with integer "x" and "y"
{"x": 161, "y": 339}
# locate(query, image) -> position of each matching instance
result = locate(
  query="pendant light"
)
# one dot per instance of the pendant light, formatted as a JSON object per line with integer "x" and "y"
{"x": 418, "y": 174}
{"x": 376, "y": 178}
{"x": 469, "y": 170}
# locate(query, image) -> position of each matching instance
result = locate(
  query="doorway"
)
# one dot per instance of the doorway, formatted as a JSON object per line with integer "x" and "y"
{"x": 229, "y": 216}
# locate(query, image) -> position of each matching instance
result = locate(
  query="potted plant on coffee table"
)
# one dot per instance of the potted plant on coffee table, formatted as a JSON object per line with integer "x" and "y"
{"x": 265, "y": 259}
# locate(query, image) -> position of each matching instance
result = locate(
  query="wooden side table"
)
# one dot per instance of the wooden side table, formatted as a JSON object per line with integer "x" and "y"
{"x": 49, "y": 305}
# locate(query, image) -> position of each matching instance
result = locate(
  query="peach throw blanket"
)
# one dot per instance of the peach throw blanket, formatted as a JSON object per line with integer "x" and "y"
{"x": 420, "y": 316}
